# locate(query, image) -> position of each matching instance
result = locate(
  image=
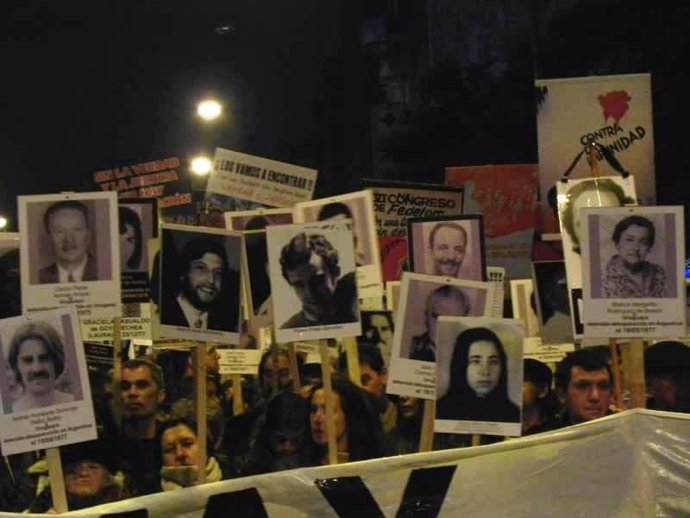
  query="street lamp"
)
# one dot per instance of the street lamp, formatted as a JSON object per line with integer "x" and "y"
{"x": 201, "y": 165}
{"x": 209, "y": 109}
{"x": 3, "y": 223}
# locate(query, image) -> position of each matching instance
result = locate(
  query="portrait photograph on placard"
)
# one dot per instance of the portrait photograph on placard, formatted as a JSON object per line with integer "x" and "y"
{"x": 358, "y": 208}
{"x": 257, "y": 280}
{"x": 634, "y": 271}
{"x": 572, "y": 196}
{"x": 552, "y": 302}
{"x": 423, "y": 299}
{"x": 71, "y": 253}
{"x": 257, "y": 219}
{"x": 138, "y": 222}
{"x": 524, "y": 303}
{"x": 10, "y": 287}
{"x": 378, "y": 329}
{"x": 479, "y": 376}
{"x": 313, "y": 286}
{"x": 44, "y": 376}
{"x": 200, "y": 283}
{"x": 450, "y": 247}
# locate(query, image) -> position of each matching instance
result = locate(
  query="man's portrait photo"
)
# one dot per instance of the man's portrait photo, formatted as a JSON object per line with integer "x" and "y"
{"x": 632, "y": 255}
{"x": 70, "y": 241}
{"x": 358, "y": 208}
{"x": 447, "y": 247}
{"x": 312, "y": 275}
{"x": 200, "y": 280}
{"x": 41, "y": 368}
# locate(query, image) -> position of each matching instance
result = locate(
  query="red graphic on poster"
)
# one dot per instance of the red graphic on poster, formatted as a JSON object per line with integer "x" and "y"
{"x": 393, "y": 256}
{"x": 615, "y": 104}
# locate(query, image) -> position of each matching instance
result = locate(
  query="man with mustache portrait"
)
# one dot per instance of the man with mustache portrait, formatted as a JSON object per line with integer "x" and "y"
{"x": 37, "y": 358}
{"x": 207, "y": 296}
{"x": 67, "y": 224}
{"x": 447, "y": 246}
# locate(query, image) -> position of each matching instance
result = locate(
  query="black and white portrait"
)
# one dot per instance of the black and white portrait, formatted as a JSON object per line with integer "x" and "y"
{"x": 138, "y": 222}
{"x": 479, "y": 376}
{"x": 200, "y": 283}
{"x": 257, "y": 219}
{"x": 552, "y": 302}
{"x": 312, "y": 272}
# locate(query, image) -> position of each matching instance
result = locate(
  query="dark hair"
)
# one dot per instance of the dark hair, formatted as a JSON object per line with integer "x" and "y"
{"x": 256, "y": 223}
{"x": 666, "y": 358}
{"x": 629, "y": 221}
{"x": 368, "y": 354}
{"x": 277, "y": 350}
{"x": 367, "y": 317}
{"x": 597, "y": 184}
{"x": 445, "y": 224}
{"x": 334, "y": 209}
{"x": 65, "y": 205}
{"x": 196, "y": 248}
{"x": 153, "y": 367}
{"x": 46, "y": 334}
{"x": 460, "y": 361}
{"x": 298, "y": 252}
{"x": 364, "y": 431}
{"x": 131, "y": 218}
{"x": 537, "y": 372}
{"x": 590, "y": 359}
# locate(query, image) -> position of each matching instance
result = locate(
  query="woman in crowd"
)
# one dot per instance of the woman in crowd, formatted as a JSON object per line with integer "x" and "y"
{"x": 131, "y": 240}
{"x": 179, "y": 446}
{"x": 628, "y": 274}
{"x": 478, "y": 388}
{"x": 358, "y": 431}
{"x": 89, "y": 470}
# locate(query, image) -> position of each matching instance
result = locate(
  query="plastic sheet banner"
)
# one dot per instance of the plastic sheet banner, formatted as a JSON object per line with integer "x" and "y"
{"x": 634, "y": 464}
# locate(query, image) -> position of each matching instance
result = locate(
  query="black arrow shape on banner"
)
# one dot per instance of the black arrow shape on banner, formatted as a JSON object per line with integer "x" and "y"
{"x": 423, "y": 496}
{"x": 246, "y": 503}
{"x": 137, "y": 513}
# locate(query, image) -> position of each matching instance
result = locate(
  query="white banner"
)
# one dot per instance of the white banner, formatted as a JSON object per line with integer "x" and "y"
{"x": 633, "y": 464}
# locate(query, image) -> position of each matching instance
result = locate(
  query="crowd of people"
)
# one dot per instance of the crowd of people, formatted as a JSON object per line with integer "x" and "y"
{"x": 148, "y": 440}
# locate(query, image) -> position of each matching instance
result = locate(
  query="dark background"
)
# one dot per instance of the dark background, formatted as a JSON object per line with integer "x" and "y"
{"x": 354, "y": 88}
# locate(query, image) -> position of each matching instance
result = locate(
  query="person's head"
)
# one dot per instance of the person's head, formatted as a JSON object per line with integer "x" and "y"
{"x": 447, "y": 245}
{"x": 204, "y": 266}
{"x": 334, "y": 211}
{"x": 284, "y": 425}
{"x": 142, "y": 388}
{"x": 409, "y": 408}
{"x": 179, "y": 443}
{"x": 88, "y": 468}
{"x": 634, "y": 237}
{"x": 67, "y": 224}
{"x": 274, "y": 370}
{"x": 36, "y": 356}
{"x": 667, "y": 371}
{"x": 378, "y": 327}
{"x": 589, "y": 193}
{"x": 357, "y": 426}
{"x": 309, "y": 264}
{"x": 536, "y": 383}
{"x": 131, "y": 239}
{"x": 479, "y": 365}
{"x": 446, "y": 300}
{"x": 584, "y": 384}
{"x": 371, "y": 368}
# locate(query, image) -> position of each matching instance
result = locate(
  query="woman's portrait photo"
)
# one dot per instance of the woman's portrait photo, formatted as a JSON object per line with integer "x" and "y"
{"x": 480, "y": 375}
{"x": 632, "y": 254}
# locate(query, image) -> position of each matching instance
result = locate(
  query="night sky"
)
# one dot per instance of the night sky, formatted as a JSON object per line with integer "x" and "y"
{"x": 94, "y": 85}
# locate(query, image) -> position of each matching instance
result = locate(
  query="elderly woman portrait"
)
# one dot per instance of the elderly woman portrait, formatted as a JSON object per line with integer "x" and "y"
{"x": 478, "y": 389}
{"x": 628, "y": 274}
{"x": 37, "y": 358}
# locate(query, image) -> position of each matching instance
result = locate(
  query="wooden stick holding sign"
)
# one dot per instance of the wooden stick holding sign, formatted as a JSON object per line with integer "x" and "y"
{"x": 635, "y": 362}
{"x": 616, "y": 372}
{"x": 352, "y": 354}
{"x": 57, "y": 480}
{"x": 237, "y": 395}
{"x": 199, "y": 366}
{"x": 426, "y": 437}
{"x": 294, "y": 368}
{"x": 328, "y": 397}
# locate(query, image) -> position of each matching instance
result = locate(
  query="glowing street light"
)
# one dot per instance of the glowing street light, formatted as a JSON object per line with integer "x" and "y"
{"x": 201, "y": 165}
{"x": 3, "y": 223}
{"x": 209, "y": 109}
